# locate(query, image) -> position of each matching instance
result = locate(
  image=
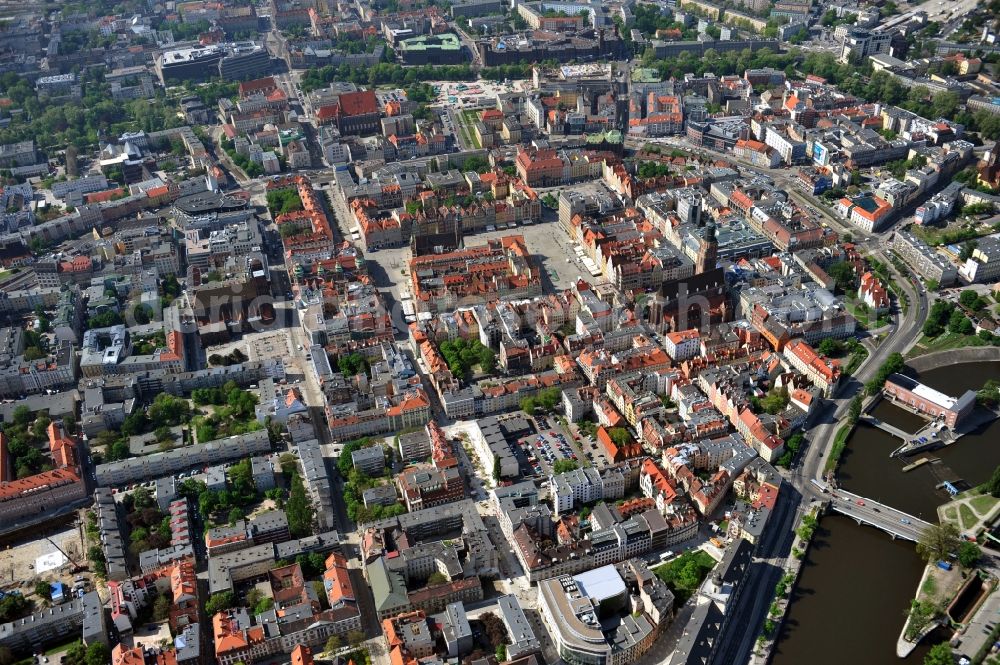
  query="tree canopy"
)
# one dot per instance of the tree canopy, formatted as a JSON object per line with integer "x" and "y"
{"x": 299, "y": 510}
{"x": 462, "y": 355}
{"x": 938, "y": 541}
{"x": 546, "y": 400}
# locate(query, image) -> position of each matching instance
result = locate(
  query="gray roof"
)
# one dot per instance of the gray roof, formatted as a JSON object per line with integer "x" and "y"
{"x": 522, "y": 637}
{"x": 272, "y": 520}
{"x": 388, "y": 586}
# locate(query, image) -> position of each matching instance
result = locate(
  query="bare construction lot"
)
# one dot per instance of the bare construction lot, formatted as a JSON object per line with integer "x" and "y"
{"x": 24, "y": 561}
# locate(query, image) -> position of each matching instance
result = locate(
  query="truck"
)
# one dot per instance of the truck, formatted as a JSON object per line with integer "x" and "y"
{"x": 944, "y": 565}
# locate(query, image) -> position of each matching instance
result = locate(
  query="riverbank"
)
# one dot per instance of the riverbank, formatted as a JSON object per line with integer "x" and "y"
{"x": 968, "y": 354}
{"x": 866, "y": 558}
{"x": 934, "y": 591}
{"x": 764, "y": 648}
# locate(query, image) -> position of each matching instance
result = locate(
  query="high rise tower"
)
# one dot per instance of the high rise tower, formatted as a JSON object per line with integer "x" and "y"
{"x": 708, "y": 251}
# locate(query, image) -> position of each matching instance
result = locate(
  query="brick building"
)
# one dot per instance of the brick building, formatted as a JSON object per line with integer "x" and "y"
{"x": 915, "y": 395}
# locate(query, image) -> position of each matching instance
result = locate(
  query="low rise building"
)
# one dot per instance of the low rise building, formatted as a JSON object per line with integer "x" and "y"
{"x": 951, "y": 411}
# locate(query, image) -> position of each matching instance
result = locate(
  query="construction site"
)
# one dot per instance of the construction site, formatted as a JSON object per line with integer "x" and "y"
{"x": 56, "y": 554}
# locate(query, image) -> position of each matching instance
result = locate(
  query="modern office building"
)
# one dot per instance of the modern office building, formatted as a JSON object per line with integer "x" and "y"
{"x": 239, "y": 61}
{"x": 589, "y": 617}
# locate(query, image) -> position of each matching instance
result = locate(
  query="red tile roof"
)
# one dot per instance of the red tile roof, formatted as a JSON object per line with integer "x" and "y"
{"x": 358, "y": 103}
{"x": 258, "y": 85}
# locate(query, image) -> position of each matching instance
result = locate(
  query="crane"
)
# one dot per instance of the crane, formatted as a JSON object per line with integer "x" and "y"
{"x": 76, "y": 566}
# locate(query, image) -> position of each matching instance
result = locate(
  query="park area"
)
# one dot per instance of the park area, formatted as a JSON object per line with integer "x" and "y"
{"x": 467, "y": 120}
{"x": 685, "y": 573}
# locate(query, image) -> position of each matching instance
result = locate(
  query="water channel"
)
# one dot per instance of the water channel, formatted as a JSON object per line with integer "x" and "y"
{"x": 857, "y": 582}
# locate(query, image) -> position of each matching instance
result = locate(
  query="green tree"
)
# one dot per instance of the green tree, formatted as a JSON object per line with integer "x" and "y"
{"x": 13, "y": 606}
{"x": 831, "y": 347}
{"x": 436, "y": 578}
{"x": 564, "y": 465}
{"x": 43, "y": 589}
{"x": 932, "y": 328}
{"x": 76, "y": 654}
{"x": 98, "y": 654}
{"x": 141, "y": 498}
{"x": 352, "y": 364}
{"x": 220, "y": 602}
{"x": 938, "y": 541}
{"x": 960, "y": 324}
{"x": 462, "y": 355}
{"x": 921, "y": 613}
{"x": 843, "y": 275}
{"x": 894, "y": 363}
{"x": 619, "y": 436}
{"x": 855, "y": 411}
{"x": 161, "y": 607}
{"x": 299, "y": 510}
{"x": 355, "y": 638}
{"x": 939, "y": 654}
{"x": 776, "y": 400}
{"x": 969, "y": 554}
{"x": 283, "y": 201}
{"x": 968, "y": 247}
{"x": 23, "y": 416}
{"x": 333, "y": 644}
{"x": 142, "y": 314}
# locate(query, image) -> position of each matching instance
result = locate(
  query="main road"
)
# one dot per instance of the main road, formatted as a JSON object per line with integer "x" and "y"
{"x": 822, "y": 434}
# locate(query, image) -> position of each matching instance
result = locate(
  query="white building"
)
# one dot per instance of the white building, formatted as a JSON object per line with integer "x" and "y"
{"x": 683, "y": 344}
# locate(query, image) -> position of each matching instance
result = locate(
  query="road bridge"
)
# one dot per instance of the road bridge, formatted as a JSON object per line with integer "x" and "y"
{"x": 866, "y": 511}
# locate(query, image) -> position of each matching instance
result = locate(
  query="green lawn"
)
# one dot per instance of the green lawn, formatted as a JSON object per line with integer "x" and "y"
{"x": 983, "y": 504}
{"x": 839, "y": 443}
{"x": 685, "y": 573}
{"x": 467, "y": 120}
{"x": 968, "y": 517}
{"x": 857, "y": 358}
{"x": 866, "y": 317}
{"x": 62, "y": 646}
{"x": 944, "y": 342}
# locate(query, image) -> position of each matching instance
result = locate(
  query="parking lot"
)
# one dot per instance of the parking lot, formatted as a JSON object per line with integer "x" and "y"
{"x": 546, "y": 448}
{"x": 589, "y": 447}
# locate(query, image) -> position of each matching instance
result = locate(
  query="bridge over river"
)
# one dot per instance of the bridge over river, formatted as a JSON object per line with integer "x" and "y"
{"x": 866, "y": 511}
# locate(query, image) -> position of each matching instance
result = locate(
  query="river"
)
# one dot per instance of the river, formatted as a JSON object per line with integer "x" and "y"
{"x": 857, "y": 582}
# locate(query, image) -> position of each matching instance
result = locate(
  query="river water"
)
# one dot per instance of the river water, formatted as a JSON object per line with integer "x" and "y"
{"x": 857, "y": 582}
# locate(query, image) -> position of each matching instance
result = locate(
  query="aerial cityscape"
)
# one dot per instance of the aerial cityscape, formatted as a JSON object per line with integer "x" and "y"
{"x": 499, "y": 332}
